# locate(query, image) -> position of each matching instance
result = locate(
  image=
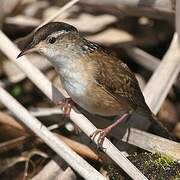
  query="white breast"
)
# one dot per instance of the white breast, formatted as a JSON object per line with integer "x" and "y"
{"x": 74, "y": 76}
{"x": 74, "y": 84}
{"x": 75, "y": 81}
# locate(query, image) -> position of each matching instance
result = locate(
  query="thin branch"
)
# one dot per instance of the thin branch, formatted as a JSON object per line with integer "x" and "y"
{"x": 152, "y": 143}
{"x": 38, "y": 112}
{"x": 61, "y": 11}
{"x": 163, "y": 78}
{"x": 45, "y": 85}
{"x": 68, "y": 174}
{"x": 143, "y": 58}
{"x": 78, "y": 164}
{"x": 178, "y": 20}
{"x": 79, "y": 148}
{"x": 161, "y": 5}
{"x": 49, "y": 171}
{"x": 11, "y": 144}
{"x": 159, "y": 9}
{"x": 166, "y": 73}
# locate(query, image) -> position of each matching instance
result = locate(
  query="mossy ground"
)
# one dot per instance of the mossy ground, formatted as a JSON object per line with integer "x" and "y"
{"x": 153, "y": 166}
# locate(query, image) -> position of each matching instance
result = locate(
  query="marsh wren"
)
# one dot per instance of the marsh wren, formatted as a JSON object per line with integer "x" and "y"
{"x": 94, "y": 79}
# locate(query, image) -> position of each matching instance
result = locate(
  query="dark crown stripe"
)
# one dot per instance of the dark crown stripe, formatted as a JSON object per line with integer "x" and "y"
{"x": 43, "y": 32}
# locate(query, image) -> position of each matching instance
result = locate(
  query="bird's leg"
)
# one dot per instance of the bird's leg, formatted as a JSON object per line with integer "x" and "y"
{"x": 104, "y": 132}
{"x": 66, "y": 106}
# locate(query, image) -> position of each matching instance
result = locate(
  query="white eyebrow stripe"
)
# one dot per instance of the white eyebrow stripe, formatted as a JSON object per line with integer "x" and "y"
{"x": 56, "y": 34}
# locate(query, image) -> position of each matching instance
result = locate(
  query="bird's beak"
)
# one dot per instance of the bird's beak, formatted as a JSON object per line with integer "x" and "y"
{"x": 29, "y": 48}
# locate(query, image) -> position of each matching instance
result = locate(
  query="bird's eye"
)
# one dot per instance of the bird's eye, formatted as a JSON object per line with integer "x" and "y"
{"x": 52, "y": 40}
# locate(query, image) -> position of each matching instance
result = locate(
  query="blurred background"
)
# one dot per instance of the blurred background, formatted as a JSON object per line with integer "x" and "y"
{"x": 138, "y": 36}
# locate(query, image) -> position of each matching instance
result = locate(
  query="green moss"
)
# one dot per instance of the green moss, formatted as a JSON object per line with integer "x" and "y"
{"x": 16, "y": 91}
{"x": 154, "y": 166}
{"x": 164, "y": 161}
{"x": 177, "y": 177}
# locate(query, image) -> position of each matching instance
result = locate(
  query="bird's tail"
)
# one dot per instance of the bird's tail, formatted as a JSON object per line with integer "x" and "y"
{"x": 158, "y": 128}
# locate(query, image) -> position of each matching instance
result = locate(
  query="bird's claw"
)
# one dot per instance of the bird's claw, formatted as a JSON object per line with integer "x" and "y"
{"x": 66, "y": 106}
{"x": 102, "y": 134}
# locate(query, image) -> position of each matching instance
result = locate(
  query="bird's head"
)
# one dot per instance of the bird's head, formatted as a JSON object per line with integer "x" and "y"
{"x": 52, "y": 39}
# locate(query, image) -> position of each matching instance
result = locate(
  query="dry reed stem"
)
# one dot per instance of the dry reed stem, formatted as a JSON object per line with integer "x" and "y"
{"x": 75, "y": 161}
{"x": 160, "y": 5}
{"x": 163, "y": 78}
{"x": 61, "y": 11}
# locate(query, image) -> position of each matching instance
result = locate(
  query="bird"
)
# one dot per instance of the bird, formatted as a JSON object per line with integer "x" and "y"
{"x": 97, "y": 81}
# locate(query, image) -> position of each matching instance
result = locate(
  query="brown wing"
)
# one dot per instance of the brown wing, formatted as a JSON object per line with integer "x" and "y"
{"x": 116, "y": 78}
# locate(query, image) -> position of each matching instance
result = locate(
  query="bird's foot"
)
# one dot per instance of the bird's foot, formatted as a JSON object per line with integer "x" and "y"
{"x": 104, "y": 132}
{"x": 66, "y": 106}
{"x": 77, "y": 130}
{"x": 101, "y": 133}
